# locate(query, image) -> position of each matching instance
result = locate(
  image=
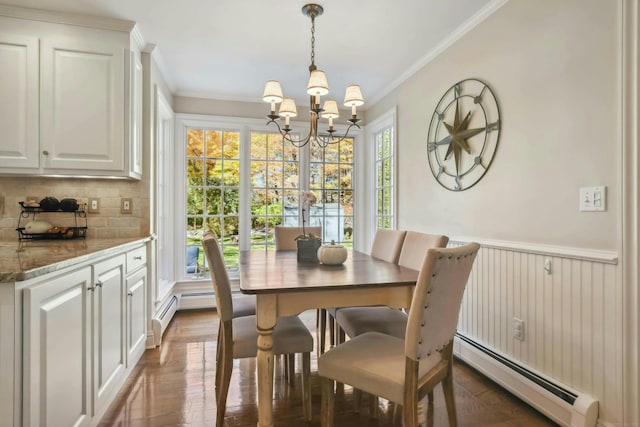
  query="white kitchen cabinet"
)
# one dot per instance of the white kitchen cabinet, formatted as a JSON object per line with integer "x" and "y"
{"x": 57, "y": 351}
{"x": 109, "y": 361}
{"x": 136, "y": 323}
{"x": 84, "y": 329}
{"x": 136, "y": 318}
{"x": 81, "y": 104}
{"x": 19, "y": 101}
{"x": 70, "y": 97}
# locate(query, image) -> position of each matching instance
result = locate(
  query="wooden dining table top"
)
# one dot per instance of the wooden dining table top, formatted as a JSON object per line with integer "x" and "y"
{"x": 263, "y": 272}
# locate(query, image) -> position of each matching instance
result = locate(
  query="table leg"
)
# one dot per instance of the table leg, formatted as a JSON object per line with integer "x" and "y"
{"x": 266, "y": 314}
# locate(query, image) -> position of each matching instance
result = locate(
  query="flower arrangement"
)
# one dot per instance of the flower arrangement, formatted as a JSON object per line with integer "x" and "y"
{"x": 307, "y": 199}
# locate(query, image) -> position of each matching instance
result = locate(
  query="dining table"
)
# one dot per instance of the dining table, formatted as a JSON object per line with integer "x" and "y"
{"x": 285, "y": 287}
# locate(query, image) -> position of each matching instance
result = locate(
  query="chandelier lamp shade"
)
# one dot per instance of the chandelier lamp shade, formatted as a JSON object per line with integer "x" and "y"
{"x": 317, "y": 87}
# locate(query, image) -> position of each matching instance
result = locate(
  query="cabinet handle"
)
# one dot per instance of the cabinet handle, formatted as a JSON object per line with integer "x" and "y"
{"x": 90, "y": 288}
{"x": 130, "y": 293}
{"x": 99, "y": 284}
{"x": 139, "y": 258}
{"x": 45, "y": 152}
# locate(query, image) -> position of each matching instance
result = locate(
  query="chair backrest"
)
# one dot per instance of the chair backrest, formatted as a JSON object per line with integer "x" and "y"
{"x": 435, "y": 306}
{"x": 387, "y": 244}
{"x": 219, "y": 277}
{"x": 286, "y": 236}
{"x": 415, "y": 246}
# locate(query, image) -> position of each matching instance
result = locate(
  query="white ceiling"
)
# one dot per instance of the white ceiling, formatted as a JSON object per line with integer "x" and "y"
{"x": 227, "y": 49}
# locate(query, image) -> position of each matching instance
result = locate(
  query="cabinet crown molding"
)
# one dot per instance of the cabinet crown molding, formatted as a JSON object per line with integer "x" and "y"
{"x": 67, "y": 18}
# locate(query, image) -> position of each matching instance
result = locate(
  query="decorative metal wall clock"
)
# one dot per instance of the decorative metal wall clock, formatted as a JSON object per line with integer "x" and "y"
{"x": 463, "y": 134}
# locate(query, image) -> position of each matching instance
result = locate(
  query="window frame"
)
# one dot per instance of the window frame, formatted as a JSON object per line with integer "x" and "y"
{"x": 383, "y": 122}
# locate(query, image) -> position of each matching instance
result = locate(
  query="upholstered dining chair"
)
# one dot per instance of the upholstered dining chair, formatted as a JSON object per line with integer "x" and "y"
{"x": 238, "y": 336}
{"x": 405, "y": 370}
{"x": 386, "y": 246}
{"x": 358, "y": 320}
{"x": 285, "y": 237}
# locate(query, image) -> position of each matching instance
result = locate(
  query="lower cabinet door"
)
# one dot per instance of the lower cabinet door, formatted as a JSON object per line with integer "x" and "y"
{"x": 108, "y": 328}
{"x": 136, "y": 319}
{"x": 57, "y": 354}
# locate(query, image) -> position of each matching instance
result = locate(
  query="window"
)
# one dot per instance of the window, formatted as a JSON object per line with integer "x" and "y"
{"x": 331, "y": 175}
{"x": 213, "y": 190}
{"x": 241, "y": 180}
{"x": 384, "y": 170}
{"x": 274, "y": 187}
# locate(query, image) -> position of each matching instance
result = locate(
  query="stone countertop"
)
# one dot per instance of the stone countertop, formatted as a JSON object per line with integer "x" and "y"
{"x": 27, "y": 259}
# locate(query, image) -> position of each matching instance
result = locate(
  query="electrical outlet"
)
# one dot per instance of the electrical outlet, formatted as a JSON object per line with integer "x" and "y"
{"x": 518, "y": 329}
{"x": 94, "y": 206}
{"x": 126, "y": 205}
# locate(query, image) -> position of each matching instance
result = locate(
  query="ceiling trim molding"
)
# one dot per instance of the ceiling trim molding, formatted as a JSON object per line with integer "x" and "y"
{"x": 467, "y": 26}
{"x": 221, "y": 97}
{"x": 154, "y": 51}
{"x": 137, "y": 37}
{"x": 67, "y": 18}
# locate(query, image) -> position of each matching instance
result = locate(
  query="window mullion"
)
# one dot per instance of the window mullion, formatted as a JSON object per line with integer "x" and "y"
{"x": 245, "y": 189}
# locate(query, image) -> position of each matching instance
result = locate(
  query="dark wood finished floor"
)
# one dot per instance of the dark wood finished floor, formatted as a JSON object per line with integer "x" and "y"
{"x": 174, "y": 386}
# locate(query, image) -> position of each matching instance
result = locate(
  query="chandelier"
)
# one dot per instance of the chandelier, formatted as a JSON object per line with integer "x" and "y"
{"x": 317, "y": 87}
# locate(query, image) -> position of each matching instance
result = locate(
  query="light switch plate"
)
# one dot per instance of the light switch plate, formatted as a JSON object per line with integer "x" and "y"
{"x": 593, "y": 199}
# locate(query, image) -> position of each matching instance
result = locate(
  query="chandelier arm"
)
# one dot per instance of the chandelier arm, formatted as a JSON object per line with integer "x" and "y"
{"x": 299, "y": 142}
{"x": 325, "y": 141}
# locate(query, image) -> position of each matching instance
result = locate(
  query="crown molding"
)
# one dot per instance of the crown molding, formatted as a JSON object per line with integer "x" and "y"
{"x": 153, "y": 50}
{"x": 467, "y": 26}
{"x": 137, "y": 37}
{"x": 67, "y": 18}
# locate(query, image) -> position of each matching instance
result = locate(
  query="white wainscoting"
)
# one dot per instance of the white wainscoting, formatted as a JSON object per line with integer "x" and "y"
{"x": 572, "y": 316}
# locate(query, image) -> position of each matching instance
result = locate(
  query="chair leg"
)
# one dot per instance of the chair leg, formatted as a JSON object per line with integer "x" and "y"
{"x": 306, "y": 386}
{"x": 218, "y": 358}
{"x": 410, "y": 413}
{"x": 373, "y": 405}
{"x": 327, "y": 403}
{"x": 322, "y": 320}
{"x": 225, "y": 378}
{"x": 449, "y": 398}
{"x": 357, "y": 395}
{"x": 291, "y": 368}
{"x": 430, "y": 396}
{"x": 332, "y": 330}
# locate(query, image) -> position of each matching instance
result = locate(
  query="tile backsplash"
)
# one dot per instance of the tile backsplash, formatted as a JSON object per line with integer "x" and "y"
{"x": 109, "y": 222}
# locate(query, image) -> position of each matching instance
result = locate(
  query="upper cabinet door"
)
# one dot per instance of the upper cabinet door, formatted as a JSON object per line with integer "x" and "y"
{"x": 18, "y": 101}
{"x": 82, "y": 99}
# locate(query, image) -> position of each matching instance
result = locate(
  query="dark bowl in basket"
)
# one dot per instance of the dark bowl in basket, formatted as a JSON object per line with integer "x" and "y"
{"x": 69, "y": 205}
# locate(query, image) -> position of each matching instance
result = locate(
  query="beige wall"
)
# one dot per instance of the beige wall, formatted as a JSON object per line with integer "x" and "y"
{"x": 554, "y": 67}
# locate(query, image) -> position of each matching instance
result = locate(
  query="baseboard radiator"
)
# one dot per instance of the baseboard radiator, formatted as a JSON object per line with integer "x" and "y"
{"x": 161, "y": 321}
{"x": 564, "y": 406}
{"x": 197, "y": 300}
